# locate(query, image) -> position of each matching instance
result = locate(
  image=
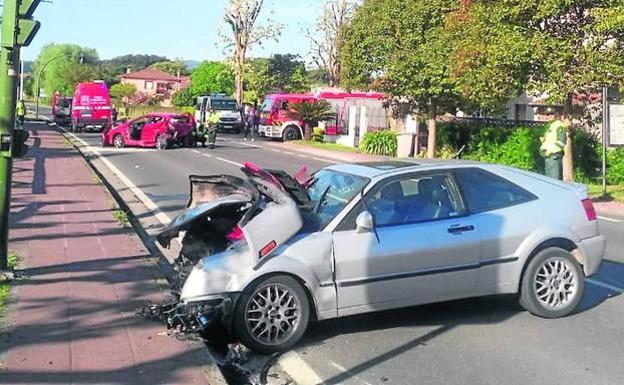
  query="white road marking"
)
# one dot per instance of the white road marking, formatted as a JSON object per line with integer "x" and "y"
{"x": 605, "y": 285}
{"x": 196, "y": 151}
{"x": 229, "y": 161}
{"x": 298, "y": 369}
{"x": 275, "y": 150}
{"x": 610, "y": 219}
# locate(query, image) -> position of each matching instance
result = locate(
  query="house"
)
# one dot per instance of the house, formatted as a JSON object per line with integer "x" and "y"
{"x": 151, "y": 82}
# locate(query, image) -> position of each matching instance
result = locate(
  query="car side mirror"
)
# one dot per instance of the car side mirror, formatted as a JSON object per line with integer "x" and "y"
{"x": 364, "y": 222}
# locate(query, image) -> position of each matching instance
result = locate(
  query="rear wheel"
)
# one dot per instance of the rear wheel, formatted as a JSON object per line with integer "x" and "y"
{"x": 118, "y": 141}
{"x": 161, "y": 142}
{"x": 188, "y": 141}
{"x": 291, "y": 133}
{"x": 272, "y": 315}
{"x": 553, "y": 284}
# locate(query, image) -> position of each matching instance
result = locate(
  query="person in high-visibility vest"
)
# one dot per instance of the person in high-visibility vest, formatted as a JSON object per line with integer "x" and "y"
{"x": 20, "y": 111}
{"x": 212, "y": 122}
{"x": 553, "y": 145}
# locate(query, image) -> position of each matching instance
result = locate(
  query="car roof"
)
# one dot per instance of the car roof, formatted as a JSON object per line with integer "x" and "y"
{"x": 382, "y": 168}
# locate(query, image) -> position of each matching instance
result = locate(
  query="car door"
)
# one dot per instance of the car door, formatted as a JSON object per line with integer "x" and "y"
{"x": 499, "y": 209}
{"x": 423, "y": 249}
{"x": 152, "y": 129}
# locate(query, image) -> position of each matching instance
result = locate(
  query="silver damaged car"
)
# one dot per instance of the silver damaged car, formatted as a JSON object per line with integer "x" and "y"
{"x": 265, "y": 254}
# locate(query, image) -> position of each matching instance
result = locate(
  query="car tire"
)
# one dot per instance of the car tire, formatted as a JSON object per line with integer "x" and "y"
{"x": 118, "y": 141}
{"x": 161, "y": 142}
{"x": 188, "y": 141}
{"x": 291, "y": 133}
{"x": 552, "y": 285}
{"x": 292, "y": 310}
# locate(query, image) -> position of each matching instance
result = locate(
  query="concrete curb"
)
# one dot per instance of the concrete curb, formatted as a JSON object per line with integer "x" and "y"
{"x": 209, "y": 368}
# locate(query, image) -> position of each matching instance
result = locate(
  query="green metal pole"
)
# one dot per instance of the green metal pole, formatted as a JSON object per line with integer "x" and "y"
{"x": 8, "y": 76}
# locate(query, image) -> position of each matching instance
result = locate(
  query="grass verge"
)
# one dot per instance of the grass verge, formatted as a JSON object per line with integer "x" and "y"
{"x": 327, "y": 146}
{"x": 5, "y": 286}
{"x": 614, "y": 192}
{"x": 122, "y": 218}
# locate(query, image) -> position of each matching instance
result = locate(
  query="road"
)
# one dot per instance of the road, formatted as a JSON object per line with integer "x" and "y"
{"x": 479, "y": 341}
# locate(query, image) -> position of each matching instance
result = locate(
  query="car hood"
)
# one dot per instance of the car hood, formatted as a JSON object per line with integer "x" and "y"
{"x": 257, "y": 209}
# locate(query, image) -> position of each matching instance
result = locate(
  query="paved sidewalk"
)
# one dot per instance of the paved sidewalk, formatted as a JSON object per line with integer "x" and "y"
{"x": 343, "y": 156}
{"x": 73, "y": 318}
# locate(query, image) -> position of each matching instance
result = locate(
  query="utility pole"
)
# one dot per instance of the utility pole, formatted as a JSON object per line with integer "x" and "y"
{"x": 17, "y": 30}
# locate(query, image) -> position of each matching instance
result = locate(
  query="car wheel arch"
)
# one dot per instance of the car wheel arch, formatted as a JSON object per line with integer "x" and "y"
{"x": 558, "y": 242}
{"x": 304, "y": 284}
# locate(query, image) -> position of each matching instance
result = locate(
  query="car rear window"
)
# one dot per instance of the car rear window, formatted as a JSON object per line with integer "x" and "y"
{"x": 485, "y": 191}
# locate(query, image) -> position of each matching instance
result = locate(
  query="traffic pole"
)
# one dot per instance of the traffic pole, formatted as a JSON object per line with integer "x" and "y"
{"x": 8, "y": 75}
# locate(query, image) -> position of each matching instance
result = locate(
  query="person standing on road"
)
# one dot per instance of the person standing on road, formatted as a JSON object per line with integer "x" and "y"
{"x": 553, "y": 144}
{"x": 20, "y": 111}
{"x": 250, "y": 125}
{"x": 212, "y": 122}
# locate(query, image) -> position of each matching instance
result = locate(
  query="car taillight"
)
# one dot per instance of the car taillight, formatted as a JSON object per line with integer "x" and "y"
{"x": 590, "y": 211}
{"x": 268, "y": 248}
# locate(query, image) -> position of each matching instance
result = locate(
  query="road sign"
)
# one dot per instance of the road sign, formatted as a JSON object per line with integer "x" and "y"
{"x": 615, "y": 134}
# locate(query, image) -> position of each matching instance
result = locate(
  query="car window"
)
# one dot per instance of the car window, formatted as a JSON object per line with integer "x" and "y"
{"x": 485, "y": 191}
{"x": 415, "y": 198}
{"x": 330, "y": 193}
{"x": 180, "y": 119}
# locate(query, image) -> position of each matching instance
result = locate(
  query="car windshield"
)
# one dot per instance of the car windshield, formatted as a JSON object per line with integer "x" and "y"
{"x": 330, "y": 193}
{"x": 223, "y": 104}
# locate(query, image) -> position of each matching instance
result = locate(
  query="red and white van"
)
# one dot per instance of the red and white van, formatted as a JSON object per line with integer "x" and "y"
{"x": 91, "y": 106}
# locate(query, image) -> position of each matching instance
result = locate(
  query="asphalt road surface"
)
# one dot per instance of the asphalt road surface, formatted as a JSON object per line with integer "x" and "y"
{"x": 480, "y": 341}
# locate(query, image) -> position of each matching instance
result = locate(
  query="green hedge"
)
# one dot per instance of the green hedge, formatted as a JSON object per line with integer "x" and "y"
{"x": 519, "y": 147}
{"x": 383, "y": 142}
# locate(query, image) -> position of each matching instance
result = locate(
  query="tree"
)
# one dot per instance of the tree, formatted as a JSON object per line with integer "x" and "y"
{"x": 67, "y": 64}
{"x": 183, "y": 98}
{"x": 579, "y": 46}
{"x": 327, "y": 39}
{"x": 397, "y": 47}
{"x": 258, "y": 80}
{"x": 175, "y": 68}
{"x": 123, "y": 91}
{"x": 288, "y": 73}
{"x": 491, "y": 56}
{"x": 311, "y": 113}
{"x": 212, "y": 77}
{"x": 242, "y": 18}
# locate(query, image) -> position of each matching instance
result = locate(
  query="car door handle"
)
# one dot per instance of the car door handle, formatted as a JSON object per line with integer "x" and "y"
{"x": 458, "y": 229}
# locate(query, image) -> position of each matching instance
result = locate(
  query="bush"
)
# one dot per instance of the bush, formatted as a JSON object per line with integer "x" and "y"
{"x": 615, "y": 166}
{"x": 587, "y": 157}
{"x": 318, "y": 134}
{"x": 380, "y": 143}
{"x": 183, "y": 98}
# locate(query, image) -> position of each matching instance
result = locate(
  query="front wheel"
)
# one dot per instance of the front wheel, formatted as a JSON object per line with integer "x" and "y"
{"x": 272, "y": 315}
{"x": 291, "y": 133}
{"x": 553, "y": 284}
{"x": 118, "y": 141}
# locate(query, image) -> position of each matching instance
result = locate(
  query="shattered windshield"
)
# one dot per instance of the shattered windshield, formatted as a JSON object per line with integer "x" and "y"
{"x": 330, "y": 193}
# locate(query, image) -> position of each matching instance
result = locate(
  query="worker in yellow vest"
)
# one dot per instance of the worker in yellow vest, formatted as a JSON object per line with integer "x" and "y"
{"x": 212, "y": 123}
{"x": 20, "y": 112}
{"x": 553, "y": 145}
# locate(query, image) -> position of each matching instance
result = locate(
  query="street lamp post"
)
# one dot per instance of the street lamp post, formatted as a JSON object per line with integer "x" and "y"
{"x": 38, "y": 85}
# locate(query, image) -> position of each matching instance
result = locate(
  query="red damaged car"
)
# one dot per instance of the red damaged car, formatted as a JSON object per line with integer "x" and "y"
{"x": 159, "y": 130}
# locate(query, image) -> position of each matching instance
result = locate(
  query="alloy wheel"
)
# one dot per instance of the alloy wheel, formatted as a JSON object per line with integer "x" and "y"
{"x": 272, "y": 314}
{"x": 118, "y": 141}
{"x": 556, "y": 283}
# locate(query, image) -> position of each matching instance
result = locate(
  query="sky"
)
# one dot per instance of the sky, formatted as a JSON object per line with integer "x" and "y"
{"x": 185, "y": 29}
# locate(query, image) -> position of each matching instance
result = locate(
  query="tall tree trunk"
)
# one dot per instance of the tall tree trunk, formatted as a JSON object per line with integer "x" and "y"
{"x": 432, "y": 127}
{"x": 307, "y": 131}
{"x": 238, "y": 76}
{"x": 568, "y": 155}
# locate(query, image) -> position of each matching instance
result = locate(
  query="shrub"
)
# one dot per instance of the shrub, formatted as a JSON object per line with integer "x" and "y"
{"x": 587, "y": 157}
{"x": 380, "y": 143}
{"x": 615, "y": 166}
{"x": 318, "y": 134}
